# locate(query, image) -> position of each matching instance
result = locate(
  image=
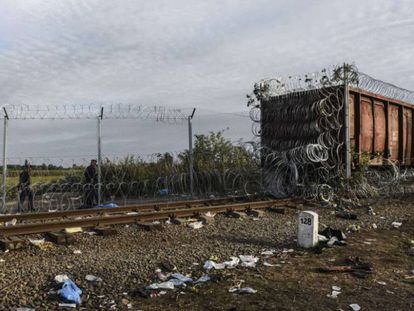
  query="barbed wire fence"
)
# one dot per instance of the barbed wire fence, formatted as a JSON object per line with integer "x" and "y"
{"x": 127, "y": 178}
{"x": 299, "y": 121}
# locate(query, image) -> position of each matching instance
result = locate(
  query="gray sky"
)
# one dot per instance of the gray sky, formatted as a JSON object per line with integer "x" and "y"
{"x": 204, "y": 54}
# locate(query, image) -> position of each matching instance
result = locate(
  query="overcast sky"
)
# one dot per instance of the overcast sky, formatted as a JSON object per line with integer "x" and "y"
{"x": 204, "y": 54}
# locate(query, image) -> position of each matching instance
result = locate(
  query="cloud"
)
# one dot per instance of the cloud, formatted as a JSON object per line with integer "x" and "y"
{"x": 205, "y": 54}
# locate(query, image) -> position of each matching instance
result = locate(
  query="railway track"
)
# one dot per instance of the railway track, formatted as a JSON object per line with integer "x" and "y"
{"x": 55, "y": 221}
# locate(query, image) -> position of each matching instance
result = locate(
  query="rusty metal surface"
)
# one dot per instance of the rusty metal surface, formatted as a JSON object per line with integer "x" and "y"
{"x": 382, "y": 127}
{"x": 394, "y": 132}
{"x": 408, "y": 133}
{"x": 367, "y": 126}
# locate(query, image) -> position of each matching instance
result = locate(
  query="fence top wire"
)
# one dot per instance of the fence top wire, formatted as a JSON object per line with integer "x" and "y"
{"x": 313, "y": 81}
{"x": 93, "y": 111}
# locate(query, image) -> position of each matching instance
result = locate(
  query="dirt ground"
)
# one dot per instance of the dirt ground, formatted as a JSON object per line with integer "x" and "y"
{"x": 297, "y": 285}
{"x": 126, "y": 263}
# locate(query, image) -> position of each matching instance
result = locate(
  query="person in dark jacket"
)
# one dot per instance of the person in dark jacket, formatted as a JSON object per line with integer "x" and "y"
{"x": 25, "y": 188}
{"x": 91, "y": 180}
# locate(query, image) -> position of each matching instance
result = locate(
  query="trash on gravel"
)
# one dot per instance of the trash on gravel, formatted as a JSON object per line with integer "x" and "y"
{"x": 396, "y": 224}
{"x": 334, "y": 294}
{"x": 355, "y": 307}
{"x": 25, "y": 309}
{"x": 210, "y": 214}
{"x": 266, "y": 264}
{"x": 11, "y": 223}
{"x": 374, "y": 226}
{"x": 382, "y": 283}
{"x": 196, "y": 225}
{"x": 2, "y": 260}
{"x": 182, "y": 278}
{"x": 353, "y": 265}
{"x": 336, "y": 290}
{"x": 73, "y": 230}
{"x": 163, "y": 285}
{"x": 203, "y": 279}
{"x": 67, "y": 305}
{"x": 70, "y": 292}
{"x": 93, "y": 278}
{"x": 347, "y": 215}
{"x": 269, "y": 252}
{"x": 322, "y": 238}
{"x": 288, "y": 250}
{"x": 36, "y": 242}
{"x": 248, "y": 261}
{"x": 60, "y": 278}
{"x": 210, "y": 264}
{"x": 77, "y": 252}
{"x": 243, "y": 290}
{"x": 90, "y": 232}
{"x": 161, "y": 276}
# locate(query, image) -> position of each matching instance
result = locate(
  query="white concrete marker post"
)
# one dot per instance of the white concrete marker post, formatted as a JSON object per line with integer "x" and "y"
{"x": 308, "y": 229}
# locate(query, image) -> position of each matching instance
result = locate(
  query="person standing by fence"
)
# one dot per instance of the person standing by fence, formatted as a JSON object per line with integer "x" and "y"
{"x": 24, "y": 187}
{"x": 91, "y": 181}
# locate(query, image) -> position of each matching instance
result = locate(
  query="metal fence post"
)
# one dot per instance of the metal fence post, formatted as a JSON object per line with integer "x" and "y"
{"x": 4, "y": 180}
{"x": 190, "y": 152}
{"x": 99, "y": 156}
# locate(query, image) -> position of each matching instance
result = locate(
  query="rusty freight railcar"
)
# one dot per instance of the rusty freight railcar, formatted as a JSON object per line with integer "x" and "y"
{"x": 309, "y": 136}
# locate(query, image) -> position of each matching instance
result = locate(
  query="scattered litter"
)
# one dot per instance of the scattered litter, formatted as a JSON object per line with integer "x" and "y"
{"x": 210, "y": 214}
{"x": 24, "y": 309}
{"x": 355, "y": 307}
{"x": 11, "y": 223}
{"x": 269, "y": 252}
{"x": 347, "y": 215}
{"x": 332, "y": 241}
{"x": 67, "y": 305}
{"x": 161, "y": 276}
{"x": 271, "y": 265}
{"x": 336, "y": 290}
{"x": 90, "y": 232}
{"x": 73, "y": 230}
{"x": 168, "y": 222}
{"x": 203, "y": 279}
{"x": 290, "y": 250}
{"x": 92, "y": 278}
{"x": 156, "y": 222}
{"x": 210, "y": 264}
{"x": 77, "y": 252}
{"x": 163, "y": 285}
{"x": 2, "y": 260}
{"x": 381, "y": 283}
{"x": 334, "y": 294}
{"x": 182, "y": 278}
{"x": 36, "y": 242}
{"x": 367, "y": 243}
{"x": 196, "y": 225}
{"x": 248, "y": 261}
{"x": 322, "y": 238}
{"x": 353, "y": 265}
{"x": 243, "y": 290}
{"x": 60, "y": 278}
{"x": 396, "y": 224}
{"x": 70, "y": 292}
{"x": 374, "y": 226}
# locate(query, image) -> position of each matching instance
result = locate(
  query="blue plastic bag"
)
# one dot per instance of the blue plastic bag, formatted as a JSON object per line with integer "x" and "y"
{"x": 163, "y": 192}
{"x": 70, "y": 292}
{"x": 108, "y": 205}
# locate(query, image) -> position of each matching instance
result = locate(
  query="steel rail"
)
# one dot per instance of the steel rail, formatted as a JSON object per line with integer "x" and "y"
{"x": 99, "y": 221}
{"x": 122, "y": 209}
